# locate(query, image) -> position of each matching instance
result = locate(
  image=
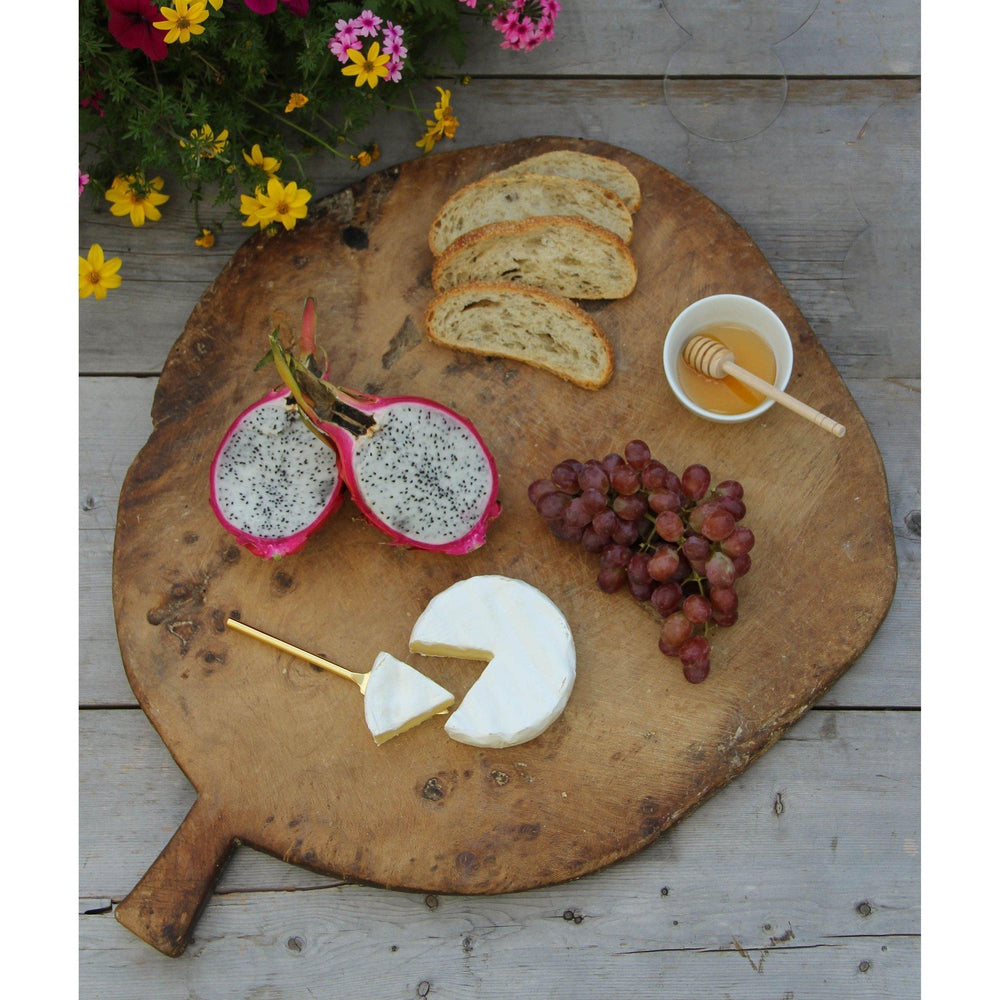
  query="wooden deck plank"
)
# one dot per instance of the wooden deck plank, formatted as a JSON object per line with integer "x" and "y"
{"x": 807, "y": 190}
{"x": 792, "y": 877}
{"x": 811, "y": 37}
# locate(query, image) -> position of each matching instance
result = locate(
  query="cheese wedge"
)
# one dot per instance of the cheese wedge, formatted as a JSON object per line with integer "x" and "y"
{"x": 397, "y": 698}
{"x": 528, "y": 643}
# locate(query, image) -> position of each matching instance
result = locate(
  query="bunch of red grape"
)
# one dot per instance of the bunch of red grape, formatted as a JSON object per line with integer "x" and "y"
{"x": 671, "y": 540}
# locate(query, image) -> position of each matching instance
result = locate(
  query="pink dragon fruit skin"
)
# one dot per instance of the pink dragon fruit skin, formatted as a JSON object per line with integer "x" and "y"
{"x": 418, "y": 471}
{"x": 471, "y": 506}
{"x": 247, "y": 471}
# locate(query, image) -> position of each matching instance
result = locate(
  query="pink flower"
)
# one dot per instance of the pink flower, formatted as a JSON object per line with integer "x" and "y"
{"x": 391, "y": 33}
{"x": 395, "y": 68}
{"x": 131, "y": 25}
{"x": 367, "y": 24}
{"x": 298, "y": 7}
{"x": 84, "y": 180}
{"x": 395, "y": 48}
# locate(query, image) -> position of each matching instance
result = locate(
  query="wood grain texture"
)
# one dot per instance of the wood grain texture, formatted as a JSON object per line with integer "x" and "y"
{"x": 742, "y": 897}
{"x": 283, "y": 753}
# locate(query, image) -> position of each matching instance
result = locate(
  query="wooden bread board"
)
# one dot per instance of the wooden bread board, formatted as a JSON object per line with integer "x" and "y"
{"x": 279, "y": 752}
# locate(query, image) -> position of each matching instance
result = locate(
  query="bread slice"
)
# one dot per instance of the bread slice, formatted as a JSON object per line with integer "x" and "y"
{"x": 524, "y": 324}
{"x": 562, "y": 254}
{"x": 515, "y": 197}
{"x": 607, "y": 173}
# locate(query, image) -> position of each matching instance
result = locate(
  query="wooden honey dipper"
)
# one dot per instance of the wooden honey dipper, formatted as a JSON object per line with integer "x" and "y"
{"x": 709, "y": 357}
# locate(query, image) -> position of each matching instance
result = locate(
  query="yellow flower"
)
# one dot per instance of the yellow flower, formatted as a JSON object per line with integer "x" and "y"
{"x": 443, "y": 125}
{"x": 182, "y": 20}
{"x": 368, "y": 155}
{"x": 133, "y": 196}
{"x": 286, "y": 203}
{"x": 207, "y": 142}
{"x": 256, "y": 158}
{"x": 216, "y": 4}
{"x": 206, "y": 240}
{"x": 367, "y": 68}
{"x": 443, "y": 115}
{"x": 98, "y": 275}
{"x": 295, "y": 101}
{"x": 257, "y": 214}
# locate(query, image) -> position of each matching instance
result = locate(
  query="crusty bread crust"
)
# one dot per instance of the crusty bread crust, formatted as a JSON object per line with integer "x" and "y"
{"x": 563, "y": 254}
{"x": 608, "y": 173}
{"x": 444, "y": 316}
{"x": 498, "y": 198}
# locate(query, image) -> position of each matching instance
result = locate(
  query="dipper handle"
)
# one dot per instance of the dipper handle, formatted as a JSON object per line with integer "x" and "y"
{"x": 708, "y": 356}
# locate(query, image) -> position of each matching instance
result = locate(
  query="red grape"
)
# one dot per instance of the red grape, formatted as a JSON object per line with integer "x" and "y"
{"x": 739, "y": 543}
{"x": 666, "y": 598}
{"x": 696, "y": 671}
{"x": 627, "y": 532}
{"x": 697, "y": 547}
{"x": 592, "y": 541}
{"x": 695, "y": 480}
{"x": 605, "y": 522}
{"x": 616, "y": 556}
{"x": 669, "y": 526}
{"x": 624, "y": 480}
{"x": 718, "y": 525}
{"x": 663, "y": 500}
{"x": 719, "y": 570}
{"x": 576, "y": 513}
{"x": 654, "y": 475}
{"x": 611, "y": 579}
{"x": 730, "y": 488}
{"x": 638, "y": 568}
{"x": 552, "y": 505}
{"x": 664, "y": 563}
{"x": 593, "y": 477}
{"x": 631, "y": 507}
{"x": 676, "y": 629}
{"x": 637, "y": 454}
{"x": 724, "y": 600}
{"x": 564, "y": 475}
{"x": 694, "y": 649}
{"x": 697, "y": 608}
{"x": 540, "y": 488}
{"x": 593, "y": 500}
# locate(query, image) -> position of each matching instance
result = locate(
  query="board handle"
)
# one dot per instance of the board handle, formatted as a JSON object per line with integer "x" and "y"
{"x": 163, "y": 908}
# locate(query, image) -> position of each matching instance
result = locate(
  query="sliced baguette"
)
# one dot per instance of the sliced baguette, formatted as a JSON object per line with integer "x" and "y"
{"x": 524, "y": 324}
{"x": 565, "y": 255}
{"x": 523, "y": 196}
{"x": 607, "y": 173}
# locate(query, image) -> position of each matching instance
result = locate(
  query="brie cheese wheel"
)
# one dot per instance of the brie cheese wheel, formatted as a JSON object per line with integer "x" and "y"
{"x": 529, "y": 646}
{"x": 397, "y": 698}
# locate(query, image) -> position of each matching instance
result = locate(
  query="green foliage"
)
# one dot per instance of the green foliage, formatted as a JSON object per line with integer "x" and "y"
{"x": 137, "y": 115}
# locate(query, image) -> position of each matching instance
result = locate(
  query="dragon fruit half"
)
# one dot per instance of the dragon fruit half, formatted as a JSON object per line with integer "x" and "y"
{"x": 418, "y": 471}
{"x": 274, "y": 481}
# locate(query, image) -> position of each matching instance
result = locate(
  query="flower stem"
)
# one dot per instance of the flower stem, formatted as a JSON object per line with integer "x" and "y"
{"x": 298, "y": 128}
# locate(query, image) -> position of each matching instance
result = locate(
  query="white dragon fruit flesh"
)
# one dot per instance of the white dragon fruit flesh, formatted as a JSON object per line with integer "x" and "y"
{"x": 273, "y": 481}
{"x": 418, "y": 471}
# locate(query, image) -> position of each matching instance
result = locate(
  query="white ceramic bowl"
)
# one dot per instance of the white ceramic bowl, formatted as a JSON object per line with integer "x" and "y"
{"x": 727, "y": 309}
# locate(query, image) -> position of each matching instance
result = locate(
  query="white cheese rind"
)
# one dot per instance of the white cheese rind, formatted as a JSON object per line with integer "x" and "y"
{"x": 527, "y": 683}
{"x": 397, "y": 698}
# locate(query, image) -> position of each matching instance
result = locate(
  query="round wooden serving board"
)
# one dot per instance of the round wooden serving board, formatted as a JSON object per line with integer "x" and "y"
{"x": 279, "y": 752}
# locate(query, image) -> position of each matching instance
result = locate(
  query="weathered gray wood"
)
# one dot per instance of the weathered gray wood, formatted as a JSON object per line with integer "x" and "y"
{"x": 821, "y": 901}
{"x": 800, "y": 871}
{"x": 807, "y": 190}
{"x": 811, "y": 37}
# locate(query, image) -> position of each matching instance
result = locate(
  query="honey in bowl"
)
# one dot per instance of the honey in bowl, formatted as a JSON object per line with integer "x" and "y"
{"x": 727, "y": 395}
